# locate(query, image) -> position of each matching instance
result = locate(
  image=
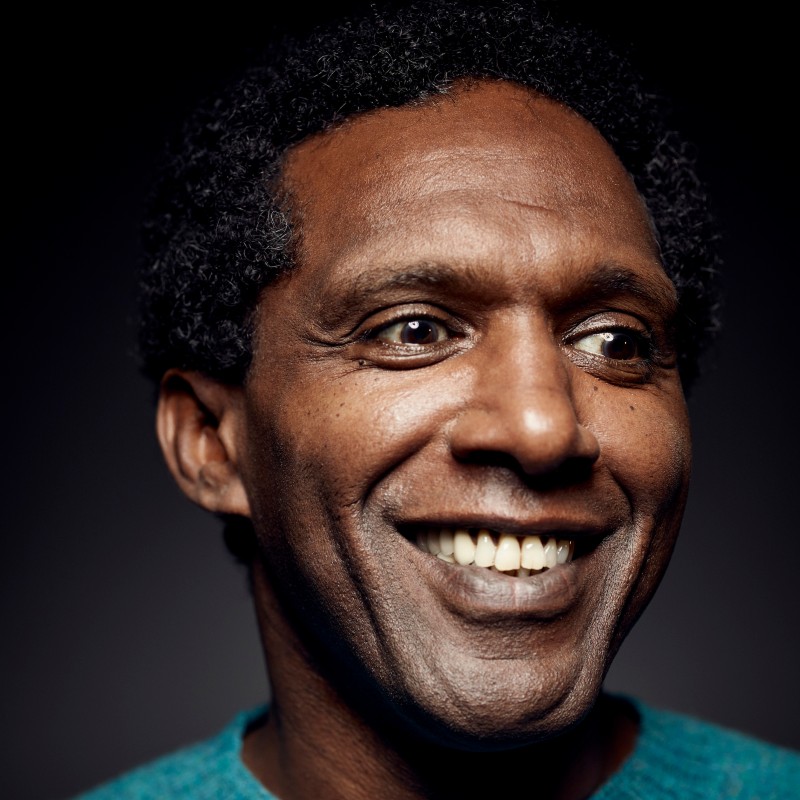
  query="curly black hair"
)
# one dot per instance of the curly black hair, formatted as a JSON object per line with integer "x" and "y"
{"x": 218, "y": 231}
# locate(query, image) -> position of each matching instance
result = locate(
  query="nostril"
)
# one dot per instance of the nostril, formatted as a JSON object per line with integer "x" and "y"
{"x": 490, "y": 458}
{"x": 568, "y": 472}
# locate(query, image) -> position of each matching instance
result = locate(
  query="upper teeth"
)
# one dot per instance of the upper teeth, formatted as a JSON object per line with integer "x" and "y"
{"x": 503, "y": 551}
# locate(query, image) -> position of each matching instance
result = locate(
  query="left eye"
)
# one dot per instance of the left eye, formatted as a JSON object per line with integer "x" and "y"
{"x": 413, "y": 331}
{"x": 619, "y": 345}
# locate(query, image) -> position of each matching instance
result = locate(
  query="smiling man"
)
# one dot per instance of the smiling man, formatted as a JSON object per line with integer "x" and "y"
{"x": 423, "y": 297}
{"x": 473, "y": 366}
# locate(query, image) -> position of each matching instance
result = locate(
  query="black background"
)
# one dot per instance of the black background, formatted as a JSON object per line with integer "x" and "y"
{"x": 126, "y": 629}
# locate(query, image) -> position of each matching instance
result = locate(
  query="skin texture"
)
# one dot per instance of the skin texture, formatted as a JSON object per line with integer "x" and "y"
{"x": 503, "y": 222}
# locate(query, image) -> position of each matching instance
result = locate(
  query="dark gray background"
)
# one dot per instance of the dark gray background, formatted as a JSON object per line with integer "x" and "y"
{"x": 126, "y": 629}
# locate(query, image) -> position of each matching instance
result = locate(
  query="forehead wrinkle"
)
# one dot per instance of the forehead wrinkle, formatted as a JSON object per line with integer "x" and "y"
{"x": 460, "y": 178}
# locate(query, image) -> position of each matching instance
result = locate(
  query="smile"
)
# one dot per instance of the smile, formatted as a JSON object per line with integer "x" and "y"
{"x": 509, "y": 553}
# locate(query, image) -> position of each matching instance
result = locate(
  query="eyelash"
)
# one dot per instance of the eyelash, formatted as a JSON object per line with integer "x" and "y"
{"x": 639, "y": 367}
{"x": 642, "y": 340}
{"x": 373, "y": 334}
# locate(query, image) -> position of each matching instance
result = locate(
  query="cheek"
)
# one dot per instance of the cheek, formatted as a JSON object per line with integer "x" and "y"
{"x": 342, "y": 433}
{"x": 645, "y": 442}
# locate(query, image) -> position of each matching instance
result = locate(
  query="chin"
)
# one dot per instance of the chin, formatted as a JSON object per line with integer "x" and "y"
{"x": 496, "y": 704}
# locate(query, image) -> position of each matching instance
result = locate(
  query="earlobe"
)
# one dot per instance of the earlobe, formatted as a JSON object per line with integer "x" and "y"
{"x": 197, "y": 422}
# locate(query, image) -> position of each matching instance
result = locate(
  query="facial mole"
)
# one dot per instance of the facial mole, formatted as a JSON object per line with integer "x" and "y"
{"x": 632, "y": 408}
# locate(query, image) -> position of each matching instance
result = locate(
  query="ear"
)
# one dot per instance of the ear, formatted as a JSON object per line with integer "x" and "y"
{"x": 198, "y": 423}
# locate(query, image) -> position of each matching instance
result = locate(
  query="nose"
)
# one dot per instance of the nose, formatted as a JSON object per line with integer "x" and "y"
{"x": 521, "y": 409}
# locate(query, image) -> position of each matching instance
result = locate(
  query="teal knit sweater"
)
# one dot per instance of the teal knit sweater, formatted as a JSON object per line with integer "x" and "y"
{"x": 675, "y": 758}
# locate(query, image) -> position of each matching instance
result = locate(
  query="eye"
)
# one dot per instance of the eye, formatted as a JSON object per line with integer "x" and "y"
{"x": 618, "y": 345}
{"x": 413, "y": 331}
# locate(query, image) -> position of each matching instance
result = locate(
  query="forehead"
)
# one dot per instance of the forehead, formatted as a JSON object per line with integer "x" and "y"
{"x": 490, "y": 170}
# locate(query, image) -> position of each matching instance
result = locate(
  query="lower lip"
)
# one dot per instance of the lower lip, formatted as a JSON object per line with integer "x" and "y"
{"x": 485, "y": 595}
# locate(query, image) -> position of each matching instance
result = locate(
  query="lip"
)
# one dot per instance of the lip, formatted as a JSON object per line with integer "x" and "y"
{"x": 568, "y": 526}
{"x": 484, "y": 595}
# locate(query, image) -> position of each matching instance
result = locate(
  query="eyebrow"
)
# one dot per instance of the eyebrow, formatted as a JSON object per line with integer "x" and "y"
{"x": 426, "y": 273}
{"x": 603, "y": 281}
{"x": 613, "y": 280}
{"x": 364, "y": 287}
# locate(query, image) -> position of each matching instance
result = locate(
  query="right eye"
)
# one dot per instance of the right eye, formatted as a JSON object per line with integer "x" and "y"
{"x": 417, "y": 331}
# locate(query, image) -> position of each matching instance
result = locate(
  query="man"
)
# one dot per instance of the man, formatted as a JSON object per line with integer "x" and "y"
{"x": 424, "y": 294}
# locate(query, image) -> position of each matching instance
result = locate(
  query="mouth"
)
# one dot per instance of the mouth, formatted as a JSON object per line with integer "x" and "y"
{"x": 516, "y": 555}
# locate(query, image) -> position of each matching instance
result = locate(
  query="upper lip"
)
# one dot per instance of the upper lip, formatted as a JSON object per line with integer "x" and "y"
{"x": 567, "y": 525}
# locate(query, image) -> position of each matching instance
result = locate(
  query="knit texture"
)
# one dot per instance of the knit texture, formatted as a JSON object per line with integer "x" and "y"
{"x": 675, "y": 758}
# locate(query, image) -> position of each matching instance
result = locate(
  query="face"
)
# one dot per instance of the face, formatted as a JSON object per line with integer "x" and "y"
{"x": 465, "y": 444}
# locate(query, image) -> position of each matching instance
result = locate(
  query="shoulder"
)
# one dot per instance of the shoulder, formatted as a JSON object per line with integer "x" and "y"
{"x": 678, "y": 756}
{"x": 208, "y": 770}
